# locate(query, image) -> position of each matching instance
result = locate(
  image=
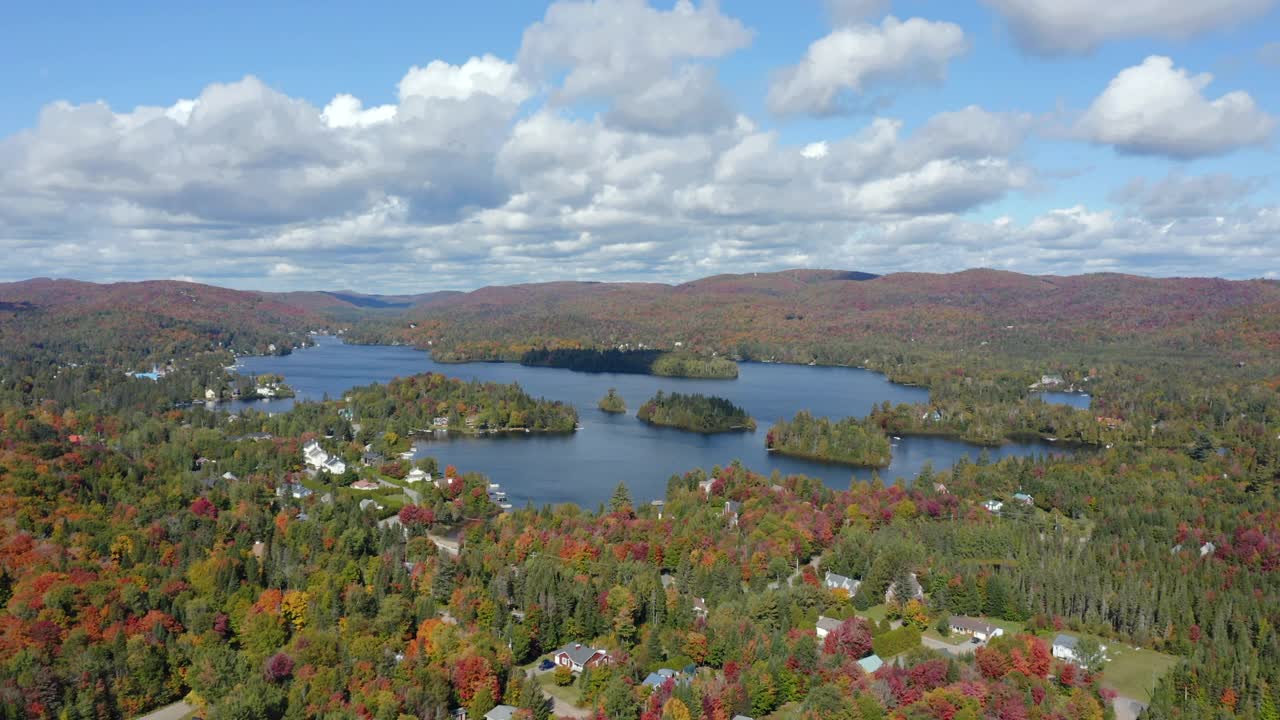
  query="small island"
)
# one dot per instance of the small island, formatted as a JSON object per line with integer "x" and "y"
{"x": 432, "y": 402}
{"x": 695, "y": 413}
{"x": 612, "y": 402}
{"x": 850, "y": 441}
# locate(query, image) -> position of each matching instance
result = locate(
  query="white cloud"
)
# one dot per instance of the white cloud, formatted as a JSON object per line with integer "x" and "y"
{"x": 1157, "y": 109}
{"x": 635, "y": 58}
{"x": 853, "y": 59}
{"x": 1055, "y": 27}
{"x": 487, "y": 75}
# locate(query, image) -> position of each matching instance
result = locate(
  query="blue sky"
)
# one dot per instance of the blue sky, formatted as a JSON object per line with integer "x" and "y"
{"x": 619, "y": 140}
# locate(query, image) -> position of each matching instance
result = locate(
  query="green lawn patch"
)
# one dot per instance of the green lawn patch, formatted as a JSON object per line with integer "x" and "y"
{"x": 1134, "y": 673}
{"x": 568, "y": 694}
{"x": 875, "y": 613}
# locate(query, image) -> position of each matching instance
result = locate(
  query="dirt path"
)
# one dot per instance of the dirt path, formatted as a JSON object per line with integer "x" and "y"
{"x": 176, "y": 711}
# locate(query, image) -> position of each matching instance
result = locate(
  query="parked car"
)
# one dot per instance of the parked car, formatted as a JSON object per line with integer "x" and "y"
{"x": 546, "y": 664}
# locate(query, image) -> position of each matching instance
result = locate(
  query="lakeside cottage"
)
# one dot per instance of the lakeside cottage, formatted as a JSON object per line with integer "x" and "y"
{"x": 578, "y": 657}
{"x": 417, "y": 475}
{"x": 973, "y": 626}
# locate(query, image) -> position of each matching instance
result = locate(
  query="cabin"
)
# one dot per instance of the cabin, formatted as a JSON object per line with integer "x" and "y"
{"x": 870, "y": 663}
{"x": 1064, "y": 648}
{"x": 700, "y": 607}
{"x": 972, "y": 626}
{"x": 578, "y": 657}
{"x": 1023, "y": 498}
{"x": 659, "y": 677}
{"x": 834, "y": 581}
{"x": 501, "y": 712}
{"x": 210, "y": 395}
{"x": 825, "y": 626}
{"x": 993, "y": 506}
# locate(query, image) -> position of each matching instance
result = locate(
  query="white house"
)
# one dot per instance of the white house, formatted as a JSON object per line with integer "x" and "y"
{"x": 317, "y": 459}
{"x": 417, "y": 475}
{"x": 1064, "y": 648}
{"x": 993, "y": 506}
{"x": 210, "y": 394}
{"x": 834, "y": 581}
{"x": 826, "y": 626}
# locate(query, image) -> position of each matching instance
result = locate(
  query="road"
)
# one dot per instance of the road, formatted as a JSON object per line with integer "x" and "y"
{"x": 176, "y": 711}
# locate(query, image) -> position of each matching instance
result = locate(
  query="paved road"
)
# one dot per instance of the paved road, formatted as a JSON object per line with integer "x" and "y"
{"x": 176, "y": 711}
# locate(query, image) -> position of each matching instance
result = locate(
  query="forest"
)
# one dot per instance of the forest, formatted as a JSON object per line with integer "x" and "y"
{"x": 152, "y": 550}
{"x": 695, "y": 413}
{"x": 849, "y": 441}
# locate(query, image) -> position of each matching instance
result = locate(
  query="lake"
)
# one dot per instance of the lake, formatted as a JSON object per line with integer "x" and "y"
{"x": 584, "y": 467}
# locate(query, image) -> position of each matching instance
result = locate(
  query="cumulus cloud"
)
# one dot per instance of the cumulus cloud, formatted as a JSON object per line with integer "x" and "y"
{"x": 636, "y": 58}
{"x": 853, "y": 59}
{"x": 1053, "y": 27}
{"x": 1157, "y": 109}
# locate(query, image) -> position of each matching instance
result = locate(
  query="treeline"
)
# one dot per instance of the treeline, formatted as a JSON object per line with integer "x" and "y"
{"x": 695, "y": 413}
{"x": 638, "y": 362}
{"x": 412, "y": 404}
{"x": 849, "y": 441}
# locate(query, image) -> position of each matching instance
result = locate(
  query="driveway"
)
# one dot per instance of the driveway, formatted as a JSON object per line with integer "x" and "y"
{"x": 952, "y": 650}
{"x": 1127, "y": 708}
{"x": 176, "y": 711}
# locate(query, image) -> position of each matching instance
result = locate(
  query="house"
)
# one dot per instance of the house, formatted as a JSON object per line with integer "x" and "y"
{"x": 658, "y": 505}
{"x": 1207, "y": 549}
{"x": 417, "y": 475}
{"x": 700, "y": 607}
{"x": 705, "y": 486}
{"x": 914, "y": 590}
{"x": 742, "y": 717}
{"x": 940, "y": 488}
{"x": 364, "y": 485}
{"x": 870, "y": 663}
{"x": 660, "y": 676}
{"x": 371, "y": 459}
{"x": 210, "y": 394}
{"x": 334, "y": 466}
{"x": 294, "y": 490}
{"x": 440, "y": 423}
{"x": 1050, "y": 380}
{"x": 825, "y": 626}
{"x": 993, "y": 506}
{"x": 1064, "y": 647}
{"x": 367, "y": 503}
{"x": 1023, "y": 498}
{"x": 840, "y": 582}
{"x": 501, "y": 712}
{"x": 577, "y": 656}
{"x": 229, "y": 476}
{"x": 731, "y": 508}
{"x": 975, "y": 627}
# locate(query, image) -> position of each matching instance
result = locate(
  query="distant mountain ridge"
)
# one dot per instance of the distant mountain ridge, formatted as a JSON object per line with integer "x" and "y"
{"x": 792, "y": 308}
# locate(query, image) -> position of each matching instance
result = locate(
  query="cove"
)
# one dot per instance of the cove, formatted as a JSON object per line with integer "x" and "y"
{"x": 584, "y": 467}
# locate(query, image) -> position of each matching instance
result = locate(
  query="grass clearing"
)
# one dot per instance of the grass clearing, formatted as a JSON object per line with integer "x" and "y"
{"x": 568, "y": 694}
{"x": 1134, "y": 673}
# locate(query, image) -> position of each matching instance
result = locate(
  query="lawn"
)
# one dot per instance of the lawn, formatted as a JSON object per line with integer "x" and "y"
{"x": 875, "y": 613}
{"x": 568, "y": 694}
{"x": 1133, "y": 673}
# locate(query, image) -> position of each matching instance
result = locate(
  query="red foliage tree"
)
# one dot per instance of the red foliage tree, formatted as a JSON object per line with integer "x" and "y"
{"x": 852, "y": 638}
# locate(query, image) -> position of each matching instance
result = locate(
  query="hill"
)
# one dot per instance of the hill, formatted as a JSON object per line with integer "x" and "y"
{"x": 134, "y": 324}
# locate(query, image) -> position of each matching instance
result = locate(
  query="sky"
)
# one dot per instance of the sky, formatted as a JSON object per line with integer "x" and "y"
{"x": 412, "y": 147}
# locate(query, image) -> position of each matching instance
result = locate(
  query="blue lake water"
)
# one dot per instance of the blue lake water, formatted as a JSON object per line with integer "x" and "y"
{"x": 1080, "y": 401}
{"x": 584, "y": 467}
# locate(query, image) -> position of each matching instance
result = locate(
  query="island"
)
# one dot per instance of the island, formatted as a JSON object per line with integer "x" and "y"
{"x": 636, "y": 362}
{"x": 432, "y": 401}
{"x": 695, "y": 413}
{"x": 612, "y": 402}
{"x": 850, "y": 441}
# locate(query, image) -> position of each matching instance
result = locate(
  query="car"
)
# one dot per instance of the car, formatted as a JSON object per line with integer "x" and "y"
{"x": 546, "y": 664}
{"x": 976, "y": 641}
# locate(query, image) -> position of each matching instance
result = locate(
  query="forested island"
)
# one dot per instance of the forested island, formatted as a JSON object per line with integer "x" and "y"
{"x": 849, "y": 441}
{"x": 695, "y": 413}
{"x": 432, "y": 401}
{"x": 612, "y": 402}
{"x": 638, "y": 362}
